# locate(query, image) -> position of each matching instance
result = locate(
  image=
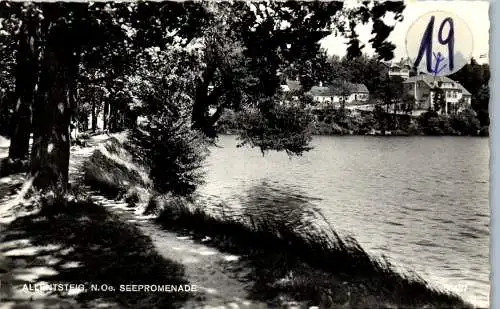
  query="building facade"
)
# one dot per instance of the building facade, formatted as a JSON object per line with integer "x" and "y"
{"x": 350, "y": 94}
{"x": 402, "y": 69}
{"x": 424, "y": 88}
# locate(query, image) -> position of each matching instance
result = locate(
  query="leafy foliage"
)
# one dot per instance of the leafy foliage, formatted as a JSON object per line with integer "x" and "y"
{"x": 438, "y": 100}
{"x": 475, "y": 78}
{"x": 175, "y": 155}
{"x": 164, "y": 141}
{"x": 7, "y": 78}
{"x": 249, "y": 76}
{"x": 465, "y": 122}
{"x": 281, "y": 128}
{"x": 87, "y": 54}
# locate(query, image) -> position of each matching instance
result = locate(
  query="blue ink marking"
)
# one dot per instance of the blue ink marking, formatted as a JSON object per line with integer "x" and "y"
{"x": 438, "y": 58}
{"x": 450, "y": 40}
{"x": 426, "y": 47}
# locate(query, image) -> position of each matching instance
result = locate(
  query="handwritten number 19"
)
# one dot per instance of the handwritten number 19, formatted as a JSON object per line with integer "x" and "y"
{"x": 426, "y": 46}
{"x": 450, "y": 40}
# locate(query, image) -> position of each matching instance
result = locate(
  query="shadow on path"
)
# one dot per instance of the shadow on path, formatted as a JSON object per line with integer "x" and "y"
{"x": 287, "y": 252}
{"x": 84, "y": 244}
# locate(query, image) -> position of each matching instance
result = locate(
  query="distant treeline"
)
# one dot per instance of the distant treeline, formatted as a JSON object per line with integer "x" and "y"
{"x": 378, "y": 122}
{"x": 473, "y": 121}
{"x": 370, "y": 72}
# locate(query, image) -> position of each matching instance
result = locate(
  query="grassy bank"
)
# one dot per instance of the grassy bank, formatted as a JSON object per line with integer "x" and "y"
{"x": 293, "y": 256}
{"x": 78, "y": 243}
{"x": 112, "y": 171}
{"x": 287, "y": 251}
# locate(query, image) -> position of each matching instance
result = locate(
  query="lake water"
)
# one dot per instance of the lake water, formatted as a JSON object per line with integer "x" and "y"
{"x": 421, "y": 201}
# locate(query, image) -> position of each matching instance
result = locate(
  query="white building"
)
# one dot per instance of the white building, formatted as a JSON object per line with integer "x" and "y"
{"x": 332, "y": 96}
{"x": 400, "y": 69}
{"x": 455, "y": 95}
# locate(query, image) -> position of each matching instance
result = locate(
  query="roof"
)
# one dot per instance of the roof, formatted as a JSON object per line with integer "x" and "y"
{"x": 429, "y": 80}
{"x": 330, "y": 91}
{"x": 293, "y": 85}
{"x": 358, "y": 88}
{"x": 321, "y": 91}
{"x": 464, "y": 91}
{"x": 386, "y": 63}
{"x": 406, "y": 61}
{"x": 399, "y": 64}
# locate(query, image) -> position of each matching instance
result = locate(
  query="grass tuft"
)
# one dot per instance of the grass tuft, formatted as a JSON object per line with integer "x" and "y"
{"x": 313, "y": 261}
{"x": 290, "y": 247}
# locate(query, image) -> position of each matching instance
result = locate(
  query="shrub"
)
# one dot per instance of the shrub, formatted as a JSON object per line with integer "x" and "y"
{"x": 485, "y": 131}
{"x": 227, "y": 123}
{"x": 430, "y": 123}
{"x": 163, "y": 140}
{"x": 414, "y": 129}
{"x": 366, "y": 123}
{"x": 465, "y": 122}
{"x": 174, "y": 154}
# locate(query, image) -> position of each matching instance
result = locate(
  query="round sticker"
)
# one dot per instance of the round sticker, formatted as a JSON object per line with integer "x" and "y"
{"x": 439, "y": 43}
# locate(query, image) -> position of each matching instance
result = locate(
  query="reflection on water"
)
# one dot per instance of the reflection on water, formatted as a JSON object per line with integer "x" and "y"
{"x": 272, "y": 201}
{"x": 422, "y": 202}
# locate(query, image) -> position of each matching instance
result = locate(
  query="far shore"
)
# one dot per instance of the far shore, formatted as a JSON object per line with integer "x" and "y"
{"x": 380, "y": 135}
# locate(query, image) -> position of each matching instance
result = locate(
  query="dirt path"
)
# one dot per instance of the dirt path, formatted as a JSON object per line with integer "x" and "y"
{"x": 20, "y": 260}
{"x": 219, "y": 276}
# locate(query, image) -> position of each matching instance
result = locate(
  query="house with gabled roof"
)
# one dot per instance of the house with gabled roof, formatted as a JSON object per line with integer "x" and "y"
{"x": 291, "y": 86}
{"x": 334, "y": 95}
{"x": 421, "y": 87}
{"x": 402, "y": 68}
{"x": 331, "y": 96}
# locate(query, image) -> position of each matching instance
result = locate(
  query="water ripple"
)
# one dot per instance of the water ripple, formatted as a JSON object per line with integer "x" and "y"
{"x": 421, "y": 201}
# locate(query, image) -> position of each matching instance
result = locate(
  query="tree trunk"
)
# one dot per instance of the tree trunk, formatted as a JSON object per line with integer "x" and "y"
{"x": 105, "y": 114}
{"x": 112, "y": 116}
{"x": 199, "y": 115}
{"x": 94, "y": 115}
{"x": 73, "y": 95}
{"x": 85, "y": 127}
{"x": 26, "y": 73}
{"x": 52, "y": 114}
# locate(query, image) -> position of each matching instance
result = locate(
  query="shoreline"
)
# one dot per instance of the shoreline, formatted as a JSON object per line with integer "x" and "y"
{"x": 276, "y": 249}
{"x": 380, "y": 135}
{"x": 315, "y": 280}
{"x": 230, "y": 133}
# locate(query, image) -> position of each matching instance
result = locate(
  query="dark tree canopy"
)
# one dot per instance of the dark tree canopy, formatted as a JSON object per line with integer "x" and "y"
{"x": 475, "y": 78}
{"x": 91, "y": 57}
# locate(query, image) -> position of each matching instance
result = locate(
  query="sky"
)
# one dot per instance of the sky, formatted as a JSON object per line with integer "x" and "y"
{"x": 474, "y": 13}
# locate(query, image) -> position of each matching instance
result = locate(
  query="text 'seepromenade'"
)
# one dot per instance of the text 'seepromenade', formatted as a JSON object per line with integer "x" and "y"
{"x": 44, "y": 288}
